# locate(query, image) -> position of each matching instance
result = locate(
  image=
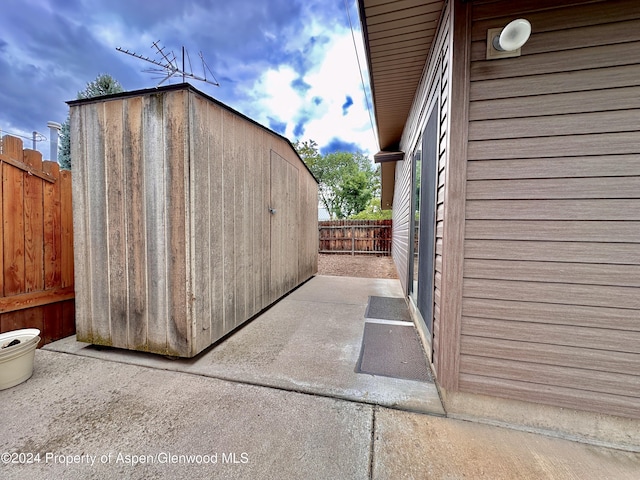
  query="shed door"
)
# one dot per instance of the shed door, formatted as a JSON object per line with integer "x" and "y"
{"x": 284, "y": 226}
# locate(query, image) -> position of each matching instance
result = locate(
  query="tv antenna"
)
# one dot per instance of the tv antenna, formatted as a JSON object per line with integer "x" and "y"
{"x": 166, "y": 65}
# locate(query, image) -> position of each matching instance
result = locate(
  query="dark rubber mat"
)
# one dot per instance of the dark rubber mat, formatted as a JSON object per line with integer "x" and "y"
{"x": 388, "y": 308}
{"x": 392, "y": 351}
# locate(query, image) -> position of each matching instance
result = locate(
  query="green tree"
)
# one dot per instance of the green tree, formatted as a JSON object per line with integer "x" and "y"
{"x": 308, "y": 151}
{"x": 347, "y": 181}
{"x": 373, "y": 212}
{"x": 104, "y": 84}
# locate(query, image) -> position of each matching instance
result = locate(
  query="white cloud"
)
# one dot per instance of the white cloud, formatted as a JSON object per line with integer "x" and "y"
{"x": 333, "y": 77}
{"x": 276, "y": 97}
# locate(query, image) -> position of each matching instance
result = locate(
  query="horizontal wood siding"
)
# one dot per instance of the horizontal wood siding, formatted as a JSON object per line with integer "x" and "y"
{"x": 174, "y": 239}
{"x": 551, "y": 309}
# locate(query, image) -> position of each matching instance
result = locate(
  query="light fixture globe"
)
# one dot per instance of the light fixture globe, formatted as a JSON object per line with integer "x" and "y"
{"x": 513, "y": 36}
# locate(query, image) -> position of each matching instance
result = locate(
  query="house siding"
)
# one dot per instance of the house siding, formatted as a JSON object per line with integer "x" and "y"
{"x": 434, "y": 87}
{"x": 551, "y": 289}
{"x": 401, "y": 221}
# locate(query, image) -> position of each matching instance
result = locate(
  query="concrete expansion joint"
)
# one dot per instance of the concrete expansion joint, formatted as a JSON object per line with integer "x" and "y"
{"x": 372, "y": 441}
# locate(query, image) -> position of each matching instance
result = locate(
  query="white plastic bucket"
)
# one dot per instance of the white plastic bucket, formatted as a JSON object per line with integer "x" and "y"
{"x": 16, "y": 362}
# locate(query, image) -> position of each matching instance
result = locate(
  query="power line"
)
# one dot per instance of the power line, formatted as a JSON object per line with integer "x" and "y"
{"x": 364, "y": 89}
{"x": 38, "y": 136}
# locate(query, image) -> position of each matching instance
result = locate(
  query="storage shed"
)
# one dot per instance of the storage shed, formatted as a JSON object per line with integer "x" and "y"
{"x": 189, "y": 219}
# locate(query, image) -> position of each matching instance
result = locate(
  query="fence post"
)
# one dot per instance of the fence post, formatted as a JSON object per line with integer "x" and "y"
{"x": 353, "y": 241}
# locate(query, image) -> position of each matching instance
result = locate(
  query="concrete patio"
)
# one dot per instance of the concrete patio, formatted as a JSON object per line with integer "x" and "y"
{"x": 277, "y": 399}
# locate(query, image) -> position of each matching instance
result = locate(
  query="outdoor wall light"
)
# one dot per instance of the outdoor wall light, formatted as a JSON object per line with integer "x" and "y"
{"x": 506, "y": 42}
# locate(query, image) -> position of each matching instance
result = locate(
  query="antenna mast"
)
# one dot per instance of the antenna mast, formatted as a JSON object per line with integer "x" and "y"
{"x": 167, "y": 65}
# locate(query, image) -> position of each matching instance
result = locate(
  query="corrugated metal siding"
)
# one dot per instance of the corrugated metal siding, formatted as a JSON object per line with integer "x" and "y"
{"x": 551, "y": 307}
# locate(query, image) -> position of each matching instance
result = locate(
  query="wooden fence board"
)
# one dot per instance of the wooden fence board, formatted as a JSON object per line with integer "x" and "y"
{"x": 66, "y": 225}
{"x": 33, "y": 224}
{"x": 53, "y": 321}
{"x": 32, "y": 215}
{"x": 52, "y": 247}
{"x": 13, "y": 231}
{"x": 34, "y": 299}
{"x": 355, "y": 237}
{"x": 12, "y": 321}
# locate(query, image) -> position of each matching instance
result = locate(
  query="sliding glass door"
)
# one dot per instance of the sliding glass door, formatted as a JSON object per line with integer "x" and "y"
{"x": 422, "y": 243}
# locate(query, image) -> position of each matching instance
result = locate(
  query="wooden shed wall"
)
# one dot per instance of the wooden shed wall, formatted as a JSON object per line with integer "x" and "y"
{"x": 551, "y": 297}
{"x": 175, "y": 242}
{"x": 244, "y": 258}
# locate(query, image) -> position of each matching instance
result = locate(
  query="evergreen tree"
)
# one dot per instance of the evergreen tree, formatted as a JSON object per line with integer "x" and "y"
{"x": 104, "y": 84}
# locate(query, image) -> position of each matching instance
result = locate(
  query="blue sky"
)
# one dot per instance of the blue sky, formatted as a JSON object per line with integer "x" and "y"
{"x": 288, "y": 64}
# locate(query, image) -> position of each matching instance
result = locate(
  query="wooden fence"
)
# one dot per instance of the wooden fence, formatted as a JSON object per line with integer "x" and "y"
{"x": 355, "y": 237}
{"x": 36, "y": 244}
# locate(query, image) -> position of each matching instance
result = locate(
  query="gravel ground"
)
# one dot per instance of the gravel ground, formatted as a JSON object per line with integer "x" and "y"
{"x": 365, "y": 266}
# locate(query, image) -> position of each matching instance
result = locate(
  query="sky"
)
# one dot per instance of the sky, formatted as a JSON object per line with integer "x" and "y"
{"x": 290, "y": 65}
